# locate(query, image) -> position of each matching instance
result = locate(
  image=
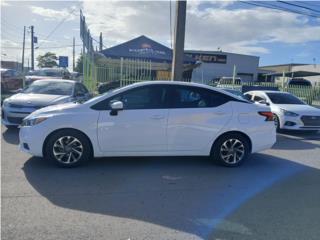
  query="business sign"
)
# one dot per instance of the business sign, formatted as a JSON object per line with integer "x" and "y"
{"x": 63, "y": 61}
{"x": 208, "y": 58}
{"x": 146, "y": 48}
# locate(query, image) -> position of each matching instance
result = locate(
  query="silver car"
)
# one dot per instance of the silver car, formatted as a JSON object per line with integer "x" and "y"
{"x": 40, "y": 94}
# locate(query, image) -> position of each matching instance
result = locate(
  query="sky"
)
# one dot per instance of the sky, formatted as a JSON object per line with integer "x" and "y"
{"x": 277, "y": 37}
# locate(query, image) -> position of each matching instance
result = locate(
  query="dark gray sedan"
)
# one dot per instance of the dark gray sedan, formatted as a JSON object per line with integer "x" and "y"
{"x": 39, "y": 94}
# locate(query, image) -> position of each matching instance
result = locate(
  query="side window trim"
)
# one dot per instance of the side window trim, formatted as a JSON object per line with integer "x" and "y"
{"x": 104, "y": 105}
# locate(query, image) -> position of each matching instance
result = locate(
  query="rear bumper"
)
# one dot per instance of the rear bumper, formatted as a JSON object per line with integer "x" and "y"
{"x": 263, "y": 138}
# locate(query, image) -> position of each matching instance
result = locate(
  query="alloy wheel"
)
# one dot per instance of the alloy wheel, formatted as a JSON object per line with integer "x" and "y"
{"x": 232, "y": 151}
{"x": 67, "y": 150}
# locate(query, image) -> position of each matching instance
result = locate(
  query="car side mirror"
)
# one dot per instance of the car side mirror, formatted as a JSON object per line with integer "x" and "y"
{"x": 115, "y": 107}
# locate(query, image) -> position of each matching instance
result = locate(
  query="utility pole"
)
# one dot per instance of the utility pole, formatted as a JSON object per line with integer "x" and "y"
{"x": 73, "y": 54}
{"x": 178, "y": 49}
{"x": 23, "y": 46}
{"x": 100, "y": 42}
{"x": 32, "y": 49}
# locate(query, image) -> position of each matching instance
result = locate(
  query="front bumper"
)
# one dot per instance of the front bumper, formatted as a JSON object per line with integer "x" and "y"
{"x": 31, "y": 140}
{"x": 14, "y": 116}
{"x": 296, "y": 123}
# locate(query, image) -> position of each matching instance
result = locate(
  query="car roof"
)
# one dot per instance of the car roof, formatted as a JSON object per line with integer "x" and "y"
{"x": 180, "y": 83}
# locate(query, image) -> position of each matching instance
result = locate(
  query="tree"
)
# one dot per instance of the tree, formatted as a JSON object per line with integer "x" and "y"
{"x": 49, "y": 59}
{"x": 79, "y": 64}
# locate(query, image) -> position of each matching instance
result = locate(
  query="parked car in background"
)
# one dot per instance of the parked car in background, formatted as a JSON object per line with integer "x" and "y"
{"x": 154, "y": 118}
{"x": 11, "y": 80}
{"x": 299, "y": 82}
{"x": 47, "y": 73}
{"x": 229, "y": 81}
{"x": 76, "y": 76}
{"x": 236, "y": 92}
{"x": 40, "y": 94}
{"x": 289, "y": 111}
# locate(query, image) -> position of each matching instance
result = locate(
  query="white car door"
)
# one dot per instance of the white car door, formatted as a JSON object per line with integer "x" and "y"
{"x": 196, "y": 117}
{"x": 140, "y": 126}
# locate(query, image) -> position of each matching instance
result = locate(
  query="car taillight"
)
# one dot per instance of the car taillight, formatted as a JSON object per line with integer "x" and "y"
{"x": 268, "y": 115}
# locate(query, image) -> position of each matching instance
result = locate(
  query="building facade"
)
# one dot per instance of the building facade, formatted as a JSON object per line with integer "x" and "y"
{"x": 217, "y": 64}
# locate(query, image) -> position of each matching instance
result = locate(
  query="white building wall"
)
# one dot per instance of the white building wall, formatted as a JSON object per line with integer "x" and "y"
{"x": 245, "y": 64}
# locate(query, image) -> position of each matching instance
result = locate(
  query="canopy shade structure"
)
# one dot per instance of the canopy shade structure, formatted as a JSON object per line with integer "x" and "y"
{"x": 295, "y": 74}
{"x": 143, "y": 48}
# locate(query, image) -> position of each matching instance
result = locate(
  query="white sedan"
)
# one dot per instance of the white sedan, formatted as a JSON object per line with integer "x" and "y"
{"x": 289, "y": 111}
{"x": 156, "y": 118}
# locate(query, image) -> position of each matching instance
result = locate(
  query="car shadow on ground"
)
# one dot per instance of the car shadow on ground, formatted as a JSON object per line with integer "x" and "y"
{"x": 297, "y": 140}
{"x": 11, "y": 135}
{"x": 188, "y": 194}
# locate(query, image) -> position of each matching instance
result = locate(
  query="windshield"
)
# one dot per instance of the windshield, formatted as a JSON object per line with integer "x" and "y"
{"x": 52, "y": 88}
{"x": 284, "y": 98}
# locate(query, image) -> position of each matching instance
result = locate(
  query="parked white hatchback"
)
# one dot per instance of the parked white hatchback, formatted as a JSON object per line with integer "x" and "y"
{"x": 156, "y": 118}
{"x": 289, "y": 111}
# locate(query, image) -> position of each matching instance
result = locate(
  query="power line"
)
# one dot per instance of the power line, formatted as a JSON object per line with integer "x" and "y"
{"x": 299, "y": 6}
{"x": 52, "y": 47}
{"x": 312, "y": 4}
{"x": 58, "y": 25}
{"x": 270, "y": 6}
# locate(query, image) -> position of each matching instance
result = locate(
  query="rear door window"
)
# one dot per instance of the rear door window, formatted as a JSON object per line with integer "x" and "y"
{"x": 195, "y": 97}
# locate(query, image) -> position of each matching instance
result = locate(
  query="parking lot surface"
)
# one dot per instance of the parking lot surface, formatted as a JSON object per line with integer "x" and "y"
{"x": 274, "y": 195}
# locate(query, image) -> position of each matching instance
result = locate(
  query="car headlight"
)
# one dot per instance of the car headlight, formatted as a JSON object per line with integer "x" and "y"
{"x": 33, "y": 121}
{"x": 289, "y": 114}
{"x": 5, "y": 103}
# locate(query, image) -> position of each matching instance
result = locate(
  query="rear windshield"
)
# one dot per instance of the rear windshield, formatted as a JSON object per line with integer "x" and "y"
{"x": 284, "y": 98}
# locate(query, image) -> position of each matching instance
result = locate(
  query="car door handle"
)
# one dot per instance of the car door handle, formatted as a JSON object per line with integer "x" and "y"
{"x": 157, "y": 117}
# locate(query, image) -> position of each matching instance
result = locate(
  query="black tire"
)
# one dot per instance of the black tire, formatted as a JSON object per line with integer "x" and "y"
{"x": 277, "y": 123}
{"x": 52, "y": 148}
{"x": 218, "y": 149}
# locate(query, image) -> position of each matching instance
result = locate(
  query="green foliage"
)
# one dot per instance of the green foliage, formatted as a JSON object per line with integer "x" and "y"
{"x": 79, "y": 64}
{"x": 49, "y": 60}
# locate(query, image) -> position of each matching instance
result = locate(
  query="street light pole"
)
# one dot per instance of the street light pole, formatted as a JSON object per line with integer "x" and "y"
{"x": 23, "y": 47}
{"x": 178, "y": 49}
{"x": 32, "y": 49}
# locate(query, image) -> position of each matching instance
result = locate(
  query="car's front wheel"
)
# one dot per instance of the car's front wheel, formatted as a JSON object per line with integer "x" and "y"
{"x": 276, "y": 122}
{"x": 68, "y": 148}
{"x": 231, "y": 150}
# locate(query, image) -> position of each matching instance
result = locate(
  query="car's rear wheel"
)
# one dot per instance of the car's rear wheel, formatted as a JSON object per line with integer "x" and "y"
{"x": 68, "y": 148}
{"x": 231, "y": 150}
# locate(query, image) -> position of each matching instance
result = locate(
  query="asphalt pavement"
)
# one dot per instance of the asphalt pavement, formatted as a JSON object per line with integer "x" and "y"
{"x": 274, "y": 195}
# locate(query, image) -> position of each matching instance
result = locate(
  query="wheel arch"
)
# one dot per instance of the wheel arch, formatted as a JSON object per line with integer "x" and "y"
{"x": 64, "y": 129}
{"x": 232, "y": 132}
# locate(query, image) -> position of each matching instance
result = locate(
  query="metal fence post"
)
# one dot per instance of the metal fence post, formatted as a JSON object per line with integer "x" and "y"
{"x": 121, "y": 69}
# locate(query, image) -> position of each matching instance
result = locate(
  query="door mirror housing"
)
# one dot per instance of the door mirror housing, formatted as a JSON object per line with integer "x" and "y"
{"x": 115, "y": 107}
